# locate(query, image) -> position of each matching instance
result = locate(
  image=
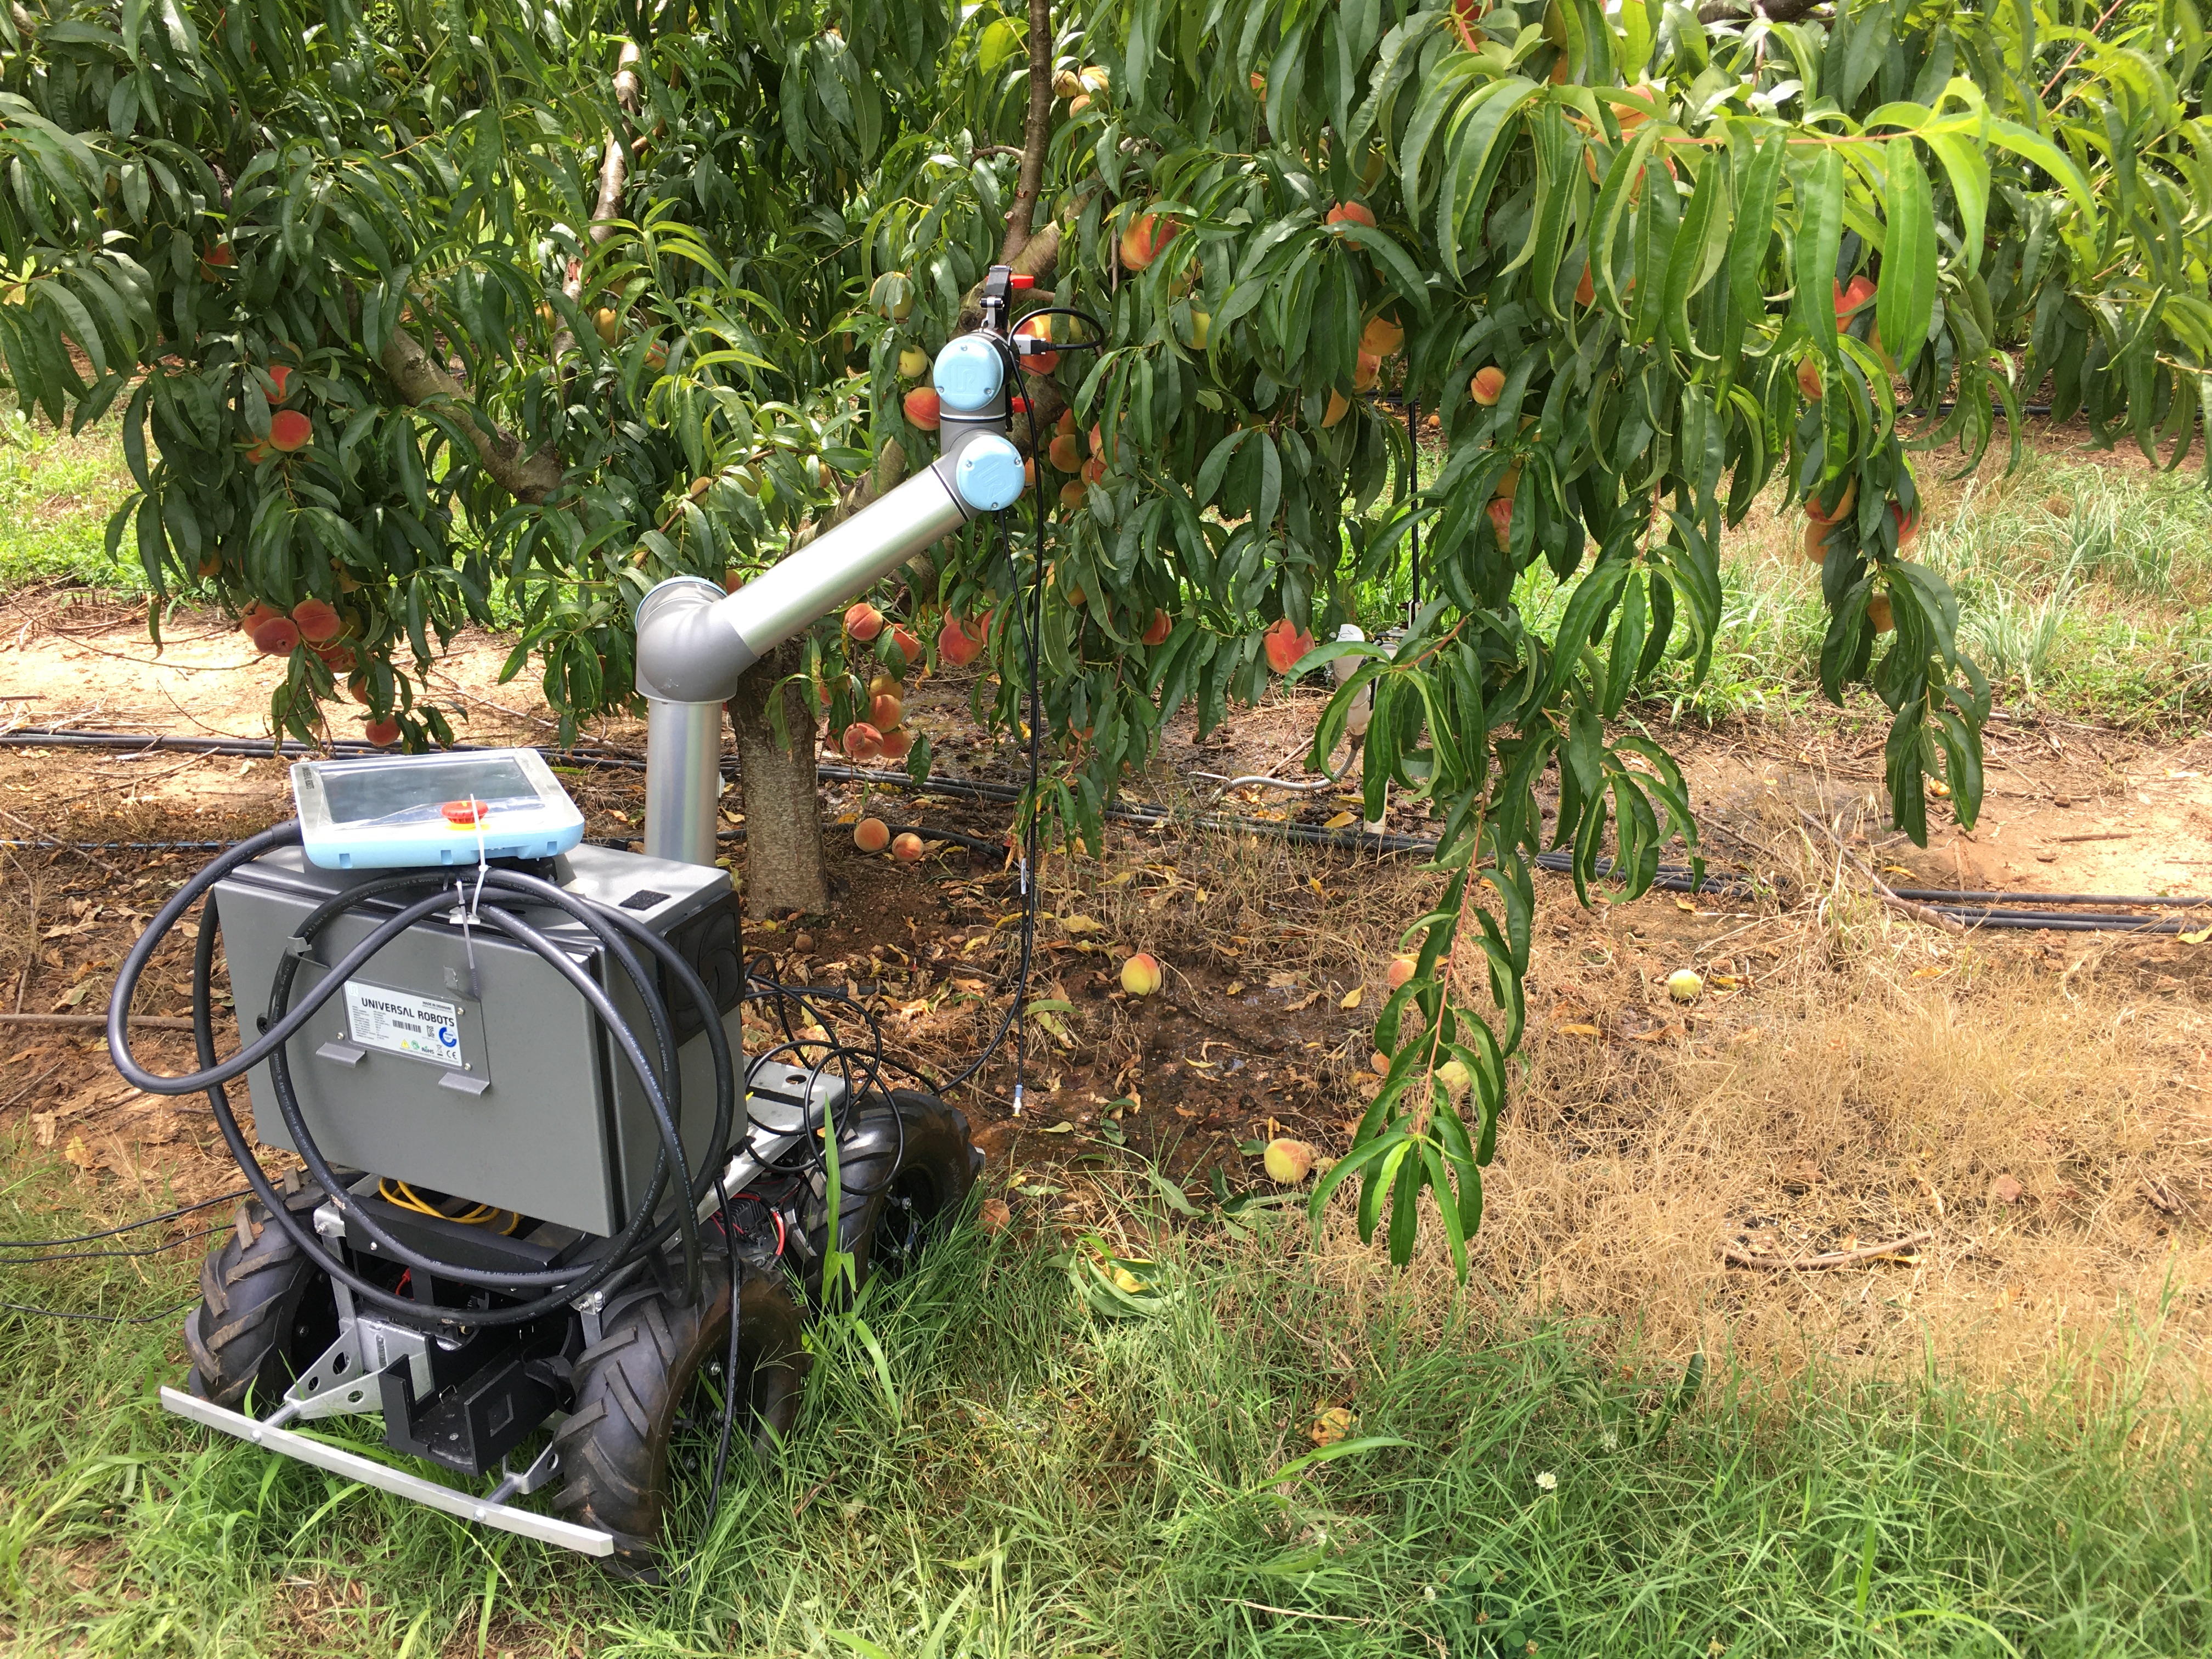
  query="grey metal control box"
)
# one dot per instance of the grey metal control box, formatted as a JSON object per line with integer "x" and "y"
{"x": 514, "y": 1096}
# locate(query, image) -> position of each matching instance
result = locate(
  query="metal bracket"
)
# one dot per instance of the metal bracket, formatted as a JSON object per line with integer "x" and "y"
{"x": 335, "y": 1385}
{"x": 490, "y": 1509}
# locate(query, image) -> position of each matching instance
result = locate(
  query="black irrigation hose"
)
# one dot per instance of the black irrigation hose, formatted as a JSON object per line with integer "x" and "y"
{"x": 1976, "y": 908}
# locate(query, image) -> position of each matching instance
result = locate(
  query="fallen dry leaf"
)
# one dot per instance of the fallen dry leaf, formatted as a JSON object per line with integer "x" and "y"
{"x": 1330, "y": 1425}
{"x": 994, "y": 1215}
{"x": 1338, "y": 821}
{"x": 2005, "y": 1190}
{"x": 1581, "y": 1030}
{"x": 1351, "y": 997}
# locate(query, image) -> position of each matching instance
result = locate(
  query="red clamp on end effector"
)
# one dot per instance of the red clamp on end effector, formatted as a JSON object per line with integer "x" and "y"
{"x": 465, "y": 811}
{"x": 1017, "y": 405}
{"x": 1021, "y": 280}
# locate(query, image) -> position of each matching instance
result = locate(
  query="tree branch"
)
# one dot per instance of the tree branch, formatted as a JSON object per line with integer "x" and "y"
{"x": 614, "y": 174}
{"x": 1036, "y": 134}
{"x": 420, "y": 379}
{"x": 1817, "y": 1263}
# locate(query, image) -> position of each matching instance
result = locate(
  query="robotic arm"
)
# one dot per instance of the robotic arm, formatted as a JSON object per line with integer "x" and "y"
{"x": 694, "y": 641}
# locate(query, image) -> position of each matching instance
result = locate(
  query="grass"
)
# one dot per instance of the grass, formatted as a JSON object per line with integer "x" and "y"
{"x": 2085, "y": 588}
{"x": 1020, "y": 1476}
{"x": 55, "y": 494}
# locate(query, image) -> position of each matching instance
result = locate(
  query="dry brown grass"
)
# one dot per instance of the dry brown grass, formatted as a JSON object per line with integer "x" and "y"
{"x": 1872, "y": 1078}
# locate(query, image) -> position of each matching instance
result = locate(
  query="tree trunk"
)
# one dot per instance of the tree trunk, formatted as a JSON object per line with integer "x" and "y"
{"x": 783, "y": 819}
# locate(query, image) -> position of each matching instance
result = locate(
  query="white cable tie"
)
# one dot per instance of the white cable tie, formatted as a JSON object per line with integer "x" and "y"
{"x": 1017, "y": 1100}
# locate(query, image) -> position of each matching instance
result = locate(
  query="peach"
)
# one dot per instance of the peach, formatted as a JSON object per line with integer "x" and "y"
{"x": 907, "y": 849}
{"x": 1849, "y": 300}
{"x": 923, "y": 407}
{"x": 1066, "y": 426}
{"x": 1161, "y": 626}
{"x": 1367, "y": 371}
{"x": 909, "y": 645}
{"x": 1908, "y": 529}
{"x": 1287, "y": 1162}
{"x": 957, "y": 645}
{"x": 1401, "y": 969}
{"x": 383, "y": 733}
{"x": 1839, "y": 511}
{"x": 275, "y": 636}
{"x": 913, "y": 363}
{"x": 1353, "y": 213}
{"x": 1586, "y": 289}
{"x": 897, "y": 743}
{"x": 358, "y": 689}
{"x": 289, "y": 430}
{"x": 1038, "y": 328}
{"x": 1094, "y": 470}
{"x": 255, "y": 614}
{"x": 1338, "y": 407}
{"x": 318, "y": 621}
{"x": 338, "y": 658}
{"x": 1071, "y": 495}
{"x": 1065, "y": 454}
{"x": 862, "y": 741}
{"x": 1286, "y": 642}
{"x": 864, "y": 621}
{"x": 1808, "y": 379}
{"x": 1501, "y": 519}
{"x": 1141, "y": 974}
{"x": 884, "y": 711}
{"x": 1878, "y": 613}
{"x": 606, "y": 323}
{"x": 1488, "y": 385}
{"x": 1142, "y": 241}
{"x": 871, "y": 835}
{"x": 1383, "y": 335}
{"x": 1814, "y": 543}
{"x": 280, "y": 377}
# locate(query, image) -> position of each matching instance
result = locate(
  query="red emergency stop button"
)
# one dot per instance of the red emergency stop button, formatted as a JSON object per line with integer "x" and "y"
{"x": 1021, "y": 280}
{"x": 465, "y": 811}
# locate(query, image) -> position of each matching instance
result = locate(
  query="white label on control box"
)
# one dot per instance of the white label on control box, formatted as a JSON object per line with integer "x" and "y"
{"x": 402, "y": 1023}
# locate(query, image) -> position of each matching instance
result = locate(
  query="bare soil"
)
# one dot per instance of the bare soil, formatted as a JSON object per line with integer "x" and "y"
{"x": 2035, "y": 1102}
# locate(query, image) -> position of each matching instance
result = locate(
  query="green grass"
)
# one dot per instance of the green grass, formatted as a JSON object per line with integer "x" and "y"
{"x": 2085, "y": 589}
{"x": 55, "y": 494}
{"x": 1017, "y": 1476}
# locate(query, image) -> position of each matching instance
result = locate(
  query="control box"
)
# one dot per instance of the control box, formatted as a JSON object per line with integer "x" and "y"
{"x": 497, "y": 1084}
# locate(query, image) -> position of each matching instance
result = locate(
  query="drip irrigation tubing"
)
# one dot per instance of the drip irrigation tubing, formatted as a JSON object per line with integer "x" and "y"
{"x": 2081, "y": 912}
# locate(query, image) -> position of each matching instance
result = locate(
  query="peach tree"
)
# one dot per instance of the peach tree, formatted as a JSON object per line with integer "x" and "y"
{"x": 409, "y": 313}
{"x": 414, "y": 314}
{"x": 1644, "y": 264}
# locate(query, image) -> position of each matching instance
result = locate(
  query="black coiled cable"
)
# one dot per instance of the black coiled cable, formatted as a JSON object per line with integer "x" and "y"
{"x": 614, "y": 931}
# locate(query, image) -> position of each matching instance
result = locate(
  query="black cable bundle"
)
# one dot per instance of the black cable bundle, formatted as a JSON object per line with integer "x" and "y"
{"x": 616, "y": 931}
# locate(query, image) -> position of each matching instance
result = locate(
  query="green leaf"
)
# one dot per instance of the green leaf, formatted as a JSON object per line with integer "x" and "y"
{"x": 1819, "y": 243}
{"x": 1905, "y": 300}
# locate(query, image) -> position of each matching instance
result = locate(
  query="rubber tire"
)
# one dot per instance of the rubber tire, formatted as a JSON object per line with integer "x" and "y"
{"x": 630, "y": 1386}
{"x": 905, "y": 1163}
{"x": 265, "y": 1313}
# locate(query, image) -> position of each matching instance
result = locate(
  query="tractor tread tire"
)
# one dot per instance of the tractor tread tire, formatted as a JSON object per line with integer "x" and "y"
{"x": 630, "y": 1386}
{"x": 244, "y": 1332}
{"x": 934, "y": 1144}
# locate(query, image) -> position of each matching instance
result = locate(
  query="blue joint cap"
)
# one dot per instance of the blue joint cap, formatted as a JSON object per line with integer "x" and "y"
{"x": 988, "y": 474}
{"x": 969, "y": 373}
